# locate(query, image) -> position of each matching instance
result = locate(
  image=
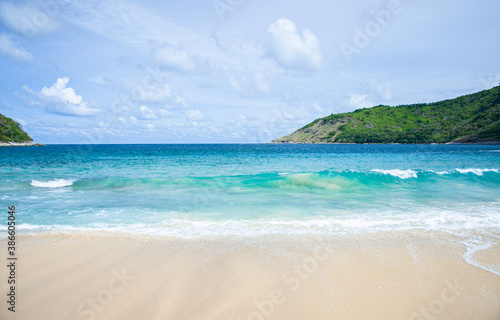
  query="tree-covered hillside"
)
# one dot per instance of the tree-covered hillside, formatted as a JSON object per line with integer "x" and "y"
{"x": 10, "y": 131}
{"x": 472, "y": 118}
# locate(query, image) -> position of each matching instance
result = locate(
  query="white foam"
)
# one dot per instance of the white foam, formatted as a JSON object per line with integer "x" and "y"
{"x": 449, "y": 218}
{"x": 475, "y": 244}
{"x": 27, "y": 226}
{"x": 52, "y": 183}
{"x": 440, "y": 172}
{"x": 403, "y": 174}
{"x": 478, "y": 172}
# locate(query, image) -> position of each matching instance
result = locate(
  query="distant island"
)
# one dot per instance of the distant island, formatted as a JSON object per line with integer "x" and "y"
{"x": 12, "y": 135}
{"x": 472, "y": 118}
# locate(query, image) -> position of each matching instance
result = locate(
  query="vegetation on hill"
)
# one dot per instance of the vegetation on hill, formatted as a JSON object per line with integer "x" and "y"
{"x": 10, "y": 131}
{"x": 473, "y": 118}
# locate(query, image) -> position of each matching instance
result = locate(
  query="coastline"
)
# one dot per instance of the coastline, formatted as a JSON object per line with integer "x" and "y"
{"x": 489, "y": 143}
{"x": 21, "y": 144}
{"x": 386, "y": 275}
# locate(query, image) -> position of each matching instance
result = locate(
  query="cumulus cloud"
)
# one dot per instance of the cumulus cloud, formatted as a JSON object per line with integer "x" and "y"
{"x": 293, "y": 50}
{"x": 359, "y": 101}
{"x": 10, "y": 50}
{"x": 62, "y": 100}
{"x": 173, "y": 59}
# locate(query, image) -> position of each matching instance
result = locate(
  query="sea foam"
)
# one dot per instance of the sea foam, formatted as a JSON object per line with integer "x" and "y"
{"x": 58, "y": 183}
{"x": 403, "y": 174}
{"x": 478, "y": 172}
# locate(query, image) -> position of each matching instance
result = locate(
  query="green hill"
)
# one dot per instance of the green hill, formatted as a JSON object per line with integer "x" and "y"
{"x": 10, "y": 131}
{"x": 473, "y": 118}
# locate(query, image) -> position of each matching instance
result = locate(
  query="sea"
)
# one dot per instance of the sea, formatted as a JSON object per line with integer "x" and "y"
{"x": 206, "y": 190}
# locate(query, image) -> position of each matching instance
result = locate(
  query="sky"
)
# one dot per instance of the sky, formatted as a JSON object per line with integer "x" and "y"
{"x": 231, "y": 71}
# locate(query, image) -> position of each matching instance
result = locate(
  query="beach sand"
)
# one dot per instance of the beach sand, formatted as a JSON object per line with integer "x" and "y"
{"x": 398, "y": 275}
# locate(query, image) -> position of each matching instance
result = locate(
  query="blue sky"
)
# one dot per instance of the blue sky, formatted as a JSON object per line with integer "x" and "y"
{"x": 186, "y": 71}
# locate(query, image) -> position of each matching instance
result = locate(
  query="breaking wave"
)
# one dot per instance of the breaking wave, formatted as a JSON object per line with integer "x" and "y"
{"x": 58, "y": 183}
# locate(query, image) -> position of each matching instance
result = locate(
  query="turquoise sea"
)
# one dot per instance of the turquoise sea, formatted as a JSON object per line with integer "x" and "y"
{"x": 190, "y": 190}
{"x": 233, "y": 189}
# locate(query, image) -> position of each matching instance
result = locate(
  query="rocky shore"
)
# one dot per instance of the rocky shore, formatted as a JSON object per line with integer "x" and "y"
{"x": 21, "y": 144}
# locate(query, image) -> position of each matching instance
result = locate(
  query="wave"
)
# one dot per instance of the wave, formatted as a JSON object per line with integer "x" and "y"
{"x": 328, "y": 179}
{"x": 408, "y": 173}
{"x": 58, "y": 183}
{"x": 478, "y": 172}
{"x": 347, "y": 181}
{"x": 403, "y": 174}
{"x": 398, "y": 173}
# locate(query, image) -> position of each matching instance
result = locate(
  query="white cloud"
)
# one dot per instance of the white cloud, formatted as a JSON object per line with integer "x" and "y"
{"x": 29, "y": 20}
{"x": 62, "y": 100}
{"x": 182, "y": 102}
{"x": 125, "y": 21}
{"x": 239, "y": 121}
{"x": 154, "y": 94}
{"x": 147, "y": 113}
{"x": 206, "y": 58}
{"x": 173, "y": 59}
{"x": 317, "y": 108}
{"x": 293, "y": 50}
{"x": 59, "y": 90}
{"x": 149, "y": 126}
{"x": 21, "y": 121}
{"x": 164, "y": 113}
{"x": 193, "y": 115}
{"x": 359, "y": 101}
{"x": 9, "y": 49}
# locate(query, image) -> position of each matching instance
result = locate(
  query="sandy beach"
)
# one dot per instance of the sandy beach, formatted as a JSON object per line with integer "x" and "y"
{"x": 401, "y": 275}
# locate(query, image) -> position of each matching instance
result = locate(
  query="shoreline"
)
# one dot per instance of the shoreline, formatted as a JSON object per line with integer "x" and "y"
{"x": 389, "y": 275}
{"x": 39, "y": 144}
{"x": 492, "y": 143}
{"x": 21, "y": 144}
